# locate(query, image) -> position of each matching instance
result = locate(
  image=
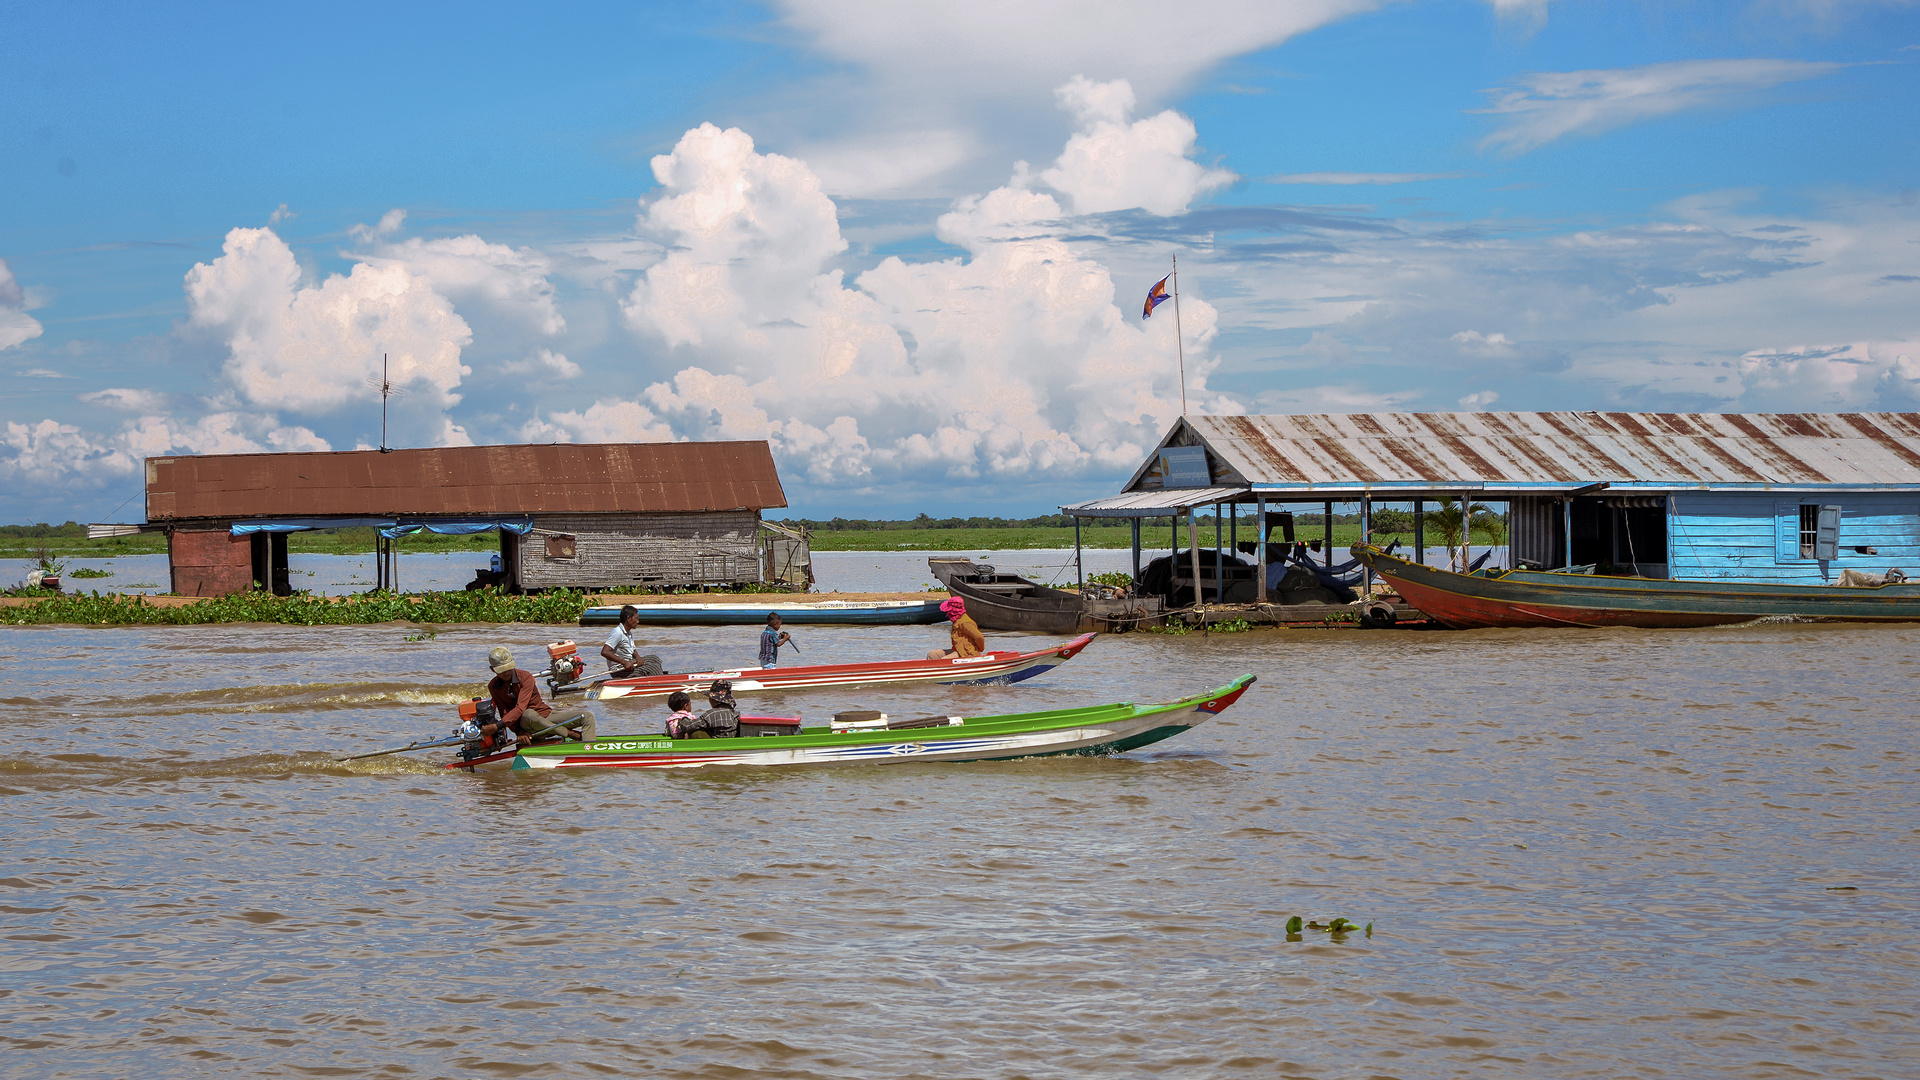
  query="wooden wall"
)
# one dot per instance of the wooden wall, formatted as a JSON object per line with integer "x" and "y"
{"x": 613, "y": 550}
{"x": 1755, "y": 537}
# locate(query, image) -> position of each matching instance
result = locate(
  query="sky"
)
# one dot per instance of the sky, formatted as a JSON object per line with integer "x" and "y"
{"x": 908, "y": 244}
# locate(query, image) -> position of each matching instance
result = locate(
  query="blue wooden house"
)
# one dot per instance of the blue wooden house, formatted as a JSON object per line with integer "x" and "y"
{"x": 1788, "y": 497}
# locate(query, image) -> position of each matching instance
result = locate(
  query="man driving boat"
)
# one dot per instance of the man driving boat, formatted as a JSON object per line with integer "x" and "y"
{"x": 516, "y": 699}
{"x": 964, "y": 632}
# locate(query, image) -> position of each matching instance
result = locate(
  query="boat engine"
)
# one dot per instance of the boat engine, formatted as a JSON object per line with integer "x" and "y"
{"x": 564, "y": 663}
{"x": 474, "y": 714}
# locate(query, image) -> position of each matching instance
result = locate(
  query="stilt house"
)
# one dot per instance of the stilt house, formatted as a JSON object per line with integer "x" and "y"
{"x": 1787, "y": 498}
{"x": 594, "y": 516}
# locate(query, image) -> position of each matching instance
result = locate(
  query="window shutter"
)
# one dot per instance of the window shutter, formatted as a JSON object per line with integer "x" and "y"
{"x": 1786, "y": 530}
{"x": 1826, "y": 540}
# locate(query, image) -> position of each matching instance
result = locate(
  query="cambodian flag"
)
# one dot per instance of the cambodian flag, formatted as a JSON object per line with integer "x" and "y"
{"x": 1155, "y": 297}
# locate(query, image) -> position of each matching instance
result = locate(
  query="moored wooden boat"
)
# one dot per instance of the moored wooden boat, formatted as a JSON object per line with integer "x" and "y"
{"x": 830, "y": 612}
{"x": 1092, "y": 730}
{"x": 1534, "y": 598}
{"x": 1010, "y": 602}
{"x": 994, "y": 668}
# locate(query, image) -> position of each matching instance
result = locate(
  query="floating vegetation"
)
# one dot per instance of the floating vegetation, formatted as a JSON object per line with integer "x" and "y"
{"x": 305, "y": 609}
{"x": 424, "y": 635}
{"x": 90, "y": 572}
{"x": 1231, "y": 626}
{"x": 1337, "y": 929}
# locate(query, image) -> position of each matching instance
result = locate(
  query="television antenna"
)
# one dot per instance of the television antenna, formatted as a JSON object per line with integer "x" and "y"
{"x": 387, "y": 390}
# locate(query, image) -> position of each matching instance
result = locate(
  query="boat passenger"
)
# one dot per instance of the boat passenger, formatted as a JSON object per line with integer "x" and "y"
{"x": 771, "y": 639}
{"x": 681, "y": 703}
{"x": 966, "y": 636}
{"x": 624, "y": 659}
{"x": 516, "y": 698}
{"x": 722, "y": 718}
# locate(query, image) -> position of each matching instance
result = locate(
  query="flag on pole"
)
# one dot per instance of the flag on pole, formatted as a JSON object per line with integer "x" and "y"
{"x": 1155, "y": 297}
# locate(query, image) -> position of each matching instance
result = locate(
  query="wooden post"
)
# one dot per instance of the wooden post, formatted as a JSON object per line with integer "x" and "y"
{"x": 1219, "y": 562}
{"x": 1136, "y": 554}
{"x": 1420, "y": 531}
{"x": 1260, "y": 546}
{"x": 1566, "y": 522}
{"x": 1193, "y": 554}
{"x": 1326, "y": 548}
{"x": 1079, "y": 568}
{"x": 1366, "y": 537}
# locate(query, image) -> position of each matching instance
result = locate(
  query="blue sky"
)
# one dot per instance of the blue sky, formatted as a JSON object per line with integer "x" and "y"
{"x": 907, "y": 244}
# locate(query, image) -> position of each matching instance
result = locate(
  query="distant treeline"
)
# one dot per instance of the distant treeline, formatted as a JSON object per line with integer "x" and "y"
{"x": 1384, "y": 520}
{"x": 42, "y": 531}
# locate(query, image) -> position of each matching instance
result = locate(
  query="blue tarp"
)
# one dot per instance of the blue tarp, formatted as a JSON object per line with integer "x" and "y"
{"x": 390, "y": 528}
{"x": 457, "y": 528}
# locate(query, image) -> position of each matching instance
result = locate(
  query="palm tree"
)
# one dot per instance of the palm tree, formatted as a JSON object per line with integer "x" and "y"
{"x": 1448, "y": 523}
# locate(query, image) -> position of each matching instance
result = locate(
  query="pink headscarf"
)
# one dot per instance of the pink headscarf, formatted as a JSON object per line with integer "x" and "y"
{"x": 954, "y": 607}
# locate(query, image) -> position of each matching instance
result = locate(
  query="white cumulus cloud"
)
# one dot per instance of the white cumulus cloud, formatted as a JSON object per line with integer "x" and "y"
{"x": 1114, "y": 162}
{"x": 1015, "y": 360}
{"x": 311, "y": 347}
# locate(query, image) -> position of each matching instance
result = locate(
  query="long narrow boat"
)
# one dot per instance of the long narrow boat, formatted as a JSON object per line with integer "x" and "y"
{"x": 1534, "y": 598}
{"x": 834, "y": 612}
{"x": 995, "y": 667}
{"x": 1093, "y": 730}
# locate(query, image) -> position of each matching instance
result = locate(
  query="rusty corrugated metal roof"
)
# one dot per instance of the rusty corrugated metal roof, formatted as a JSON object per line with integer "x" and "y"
{"x": 1559, "y": 450}
{"x": 563, "y": 478}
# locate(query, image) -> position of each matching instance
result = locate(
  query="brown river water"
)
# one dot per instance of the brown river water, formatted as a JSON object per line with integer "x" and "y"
{"x": 1583, "y": 853}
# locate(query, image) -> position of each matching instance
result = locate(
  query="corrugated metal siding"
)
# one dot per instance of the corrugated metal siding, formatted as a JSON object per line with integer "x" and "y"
{"x": 658, "y": 549}
{"x": 1535, "y": 531}
{"x": 468, "y": 480}
{"x": 1660, "y": 450}
{"x": 1755, "y": 538}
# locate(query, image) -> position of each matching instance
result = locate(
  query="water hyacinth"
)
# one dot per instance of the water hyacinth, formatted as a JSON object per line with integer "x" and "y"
{"x": 305, "y": 609}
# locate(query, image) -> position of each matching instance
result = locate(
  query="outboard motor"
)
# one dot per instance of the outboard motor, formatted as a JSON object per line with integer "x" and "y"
{"x": 474, "y": 714}
{"x": 564, "y": 663}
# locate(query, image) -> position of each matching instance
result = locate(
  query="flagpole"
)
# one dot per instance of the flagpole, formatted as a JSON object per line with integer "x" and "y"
{"x": 1178, "y": 337}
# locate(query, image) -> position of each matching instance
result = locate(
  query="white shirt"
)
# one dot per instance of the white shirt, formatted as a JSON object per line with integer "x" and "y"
{"x": 621, "y": 642}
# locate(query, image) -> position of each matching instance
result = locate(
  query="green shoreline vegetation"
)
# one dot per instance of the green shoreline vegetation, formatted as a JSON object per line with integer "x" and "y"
{"x": 836, "y": 534}
{"x": 300, "y": 609}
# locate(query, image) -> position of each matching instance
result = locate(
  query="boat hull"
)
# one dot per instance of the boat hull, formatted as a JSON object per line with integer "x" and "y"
{"x": 1037, "y": 608}
{"x": 994, "y": 668}
{"x": 1534, "y": 599}
{"x": 829, "y": 613}
{"x": 1098, "y": 730}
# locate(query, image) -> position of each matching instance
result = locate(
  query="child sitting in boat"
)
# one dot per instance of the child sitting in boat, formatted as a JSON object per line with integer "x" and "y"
{"x": 966, "y": 637}
{"x": 682, "y": 705}
{"x": 720, "y": 721}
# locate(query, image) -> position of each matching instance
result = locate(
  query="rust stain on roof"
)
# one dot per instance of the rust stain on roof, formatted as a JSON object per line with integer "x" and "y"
{"x": 590, "y": 478}
{"x": 1677, "y": 449}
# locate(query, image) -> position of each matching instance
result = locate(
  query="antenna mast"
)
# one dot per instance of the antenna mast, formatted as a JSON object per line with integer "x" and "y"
{"x": 387, "y": 390}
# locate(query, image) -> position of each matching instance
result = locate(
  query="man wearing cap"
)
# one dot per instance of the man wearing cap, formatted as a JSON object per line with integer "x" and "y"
{"x": 965, "y": 633}
{"x": 624, "y": 659}
{"x": 516, "y": 698}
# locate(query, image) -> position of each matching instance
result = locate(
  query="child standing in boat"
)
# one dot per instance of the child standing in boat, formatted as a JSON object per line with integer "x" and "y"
{"x": 771, "y": 639}
{"x": 966, "y": 637}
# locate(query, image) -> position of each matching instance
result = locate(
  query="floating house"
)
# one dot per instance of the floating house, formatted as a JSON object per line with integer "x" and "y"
{"x": 593, "y": 516}
{"x": 1786, "y": 498}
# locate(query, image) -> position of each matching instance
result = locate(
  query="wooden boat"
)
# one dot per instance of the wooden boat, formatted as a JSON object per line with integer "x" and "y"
{"x": 1093, "y": 730}
{"x": 1007, "y": 601}
{"x": 839, "y": 612}
{"x": 1536, "y": 598}
{"x": 993, "y": 667}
